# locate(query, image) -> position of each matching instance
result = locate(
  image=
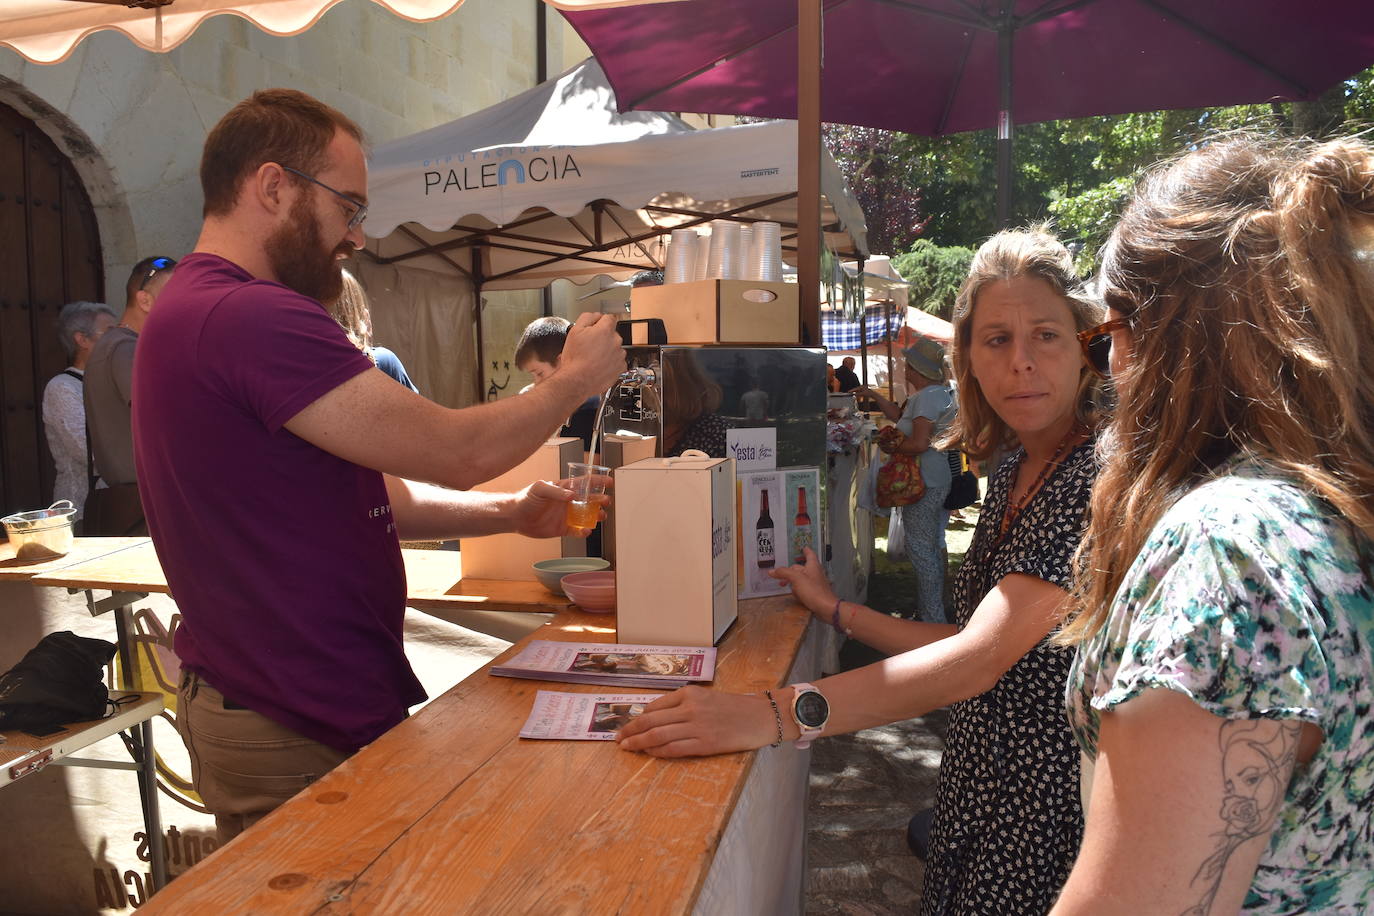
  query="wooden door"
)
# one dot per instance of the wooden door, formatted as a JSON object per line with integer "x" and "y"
{"x": 49, "y": 256}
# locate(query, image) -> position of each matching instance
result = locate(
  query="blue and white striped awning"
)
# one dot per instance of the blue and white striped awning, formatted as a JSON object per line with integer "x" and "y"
{"x": 880, "y": 322}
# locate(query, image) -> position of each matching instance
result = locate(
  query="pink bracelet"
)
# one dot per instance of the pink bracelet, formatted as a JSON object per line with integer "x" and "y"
{"x": 835, "y": 620}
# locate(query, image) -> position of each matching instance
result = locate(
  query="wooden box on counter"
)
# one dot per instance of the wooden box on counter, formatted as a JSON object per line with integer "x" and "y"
{"x": 721, "y": 311}
{"x": 616, "y": 452}
{"x": 675, "y": 563}
{"x": 512, "y": 556}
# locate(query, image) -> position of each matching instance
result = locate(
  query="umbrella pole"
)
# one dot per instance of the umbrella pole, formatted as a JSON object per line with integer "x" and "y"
{"x": 1004, "y": 127}
{"x": 891, "y": 381}
{"x": 863, "y": 322}
{"x": 809, "y": 170}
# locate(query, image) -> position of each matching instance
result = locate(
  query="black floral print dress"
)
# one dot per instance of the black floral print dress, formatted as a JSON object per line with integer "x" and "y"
{"x": 1008, "y": 818}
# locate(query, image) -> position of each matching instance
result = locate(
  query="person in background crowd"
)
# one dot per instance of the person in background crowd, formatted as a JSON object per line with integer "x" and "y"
{"x": 754, "y": 403}
{"x": 1008, "y": 817}
{"x": 354, "y": 315}
{"x": 832, "y": 382}
{"x": 1225, "y": 672}
{"x": 849, "y": 380}
{"x": 79, "y": 326}
{"x": 927, "y": 414}
{"x": 109, "y": 397}
{"x": 279, "y": 467}
{"x": 539, "y": 352}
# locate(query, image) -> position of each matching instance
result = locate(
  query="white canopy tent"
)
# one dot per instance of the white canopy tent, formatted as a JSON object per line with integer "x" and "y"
{"x": 47, "y": 31}
{"x": 555, "y": 183}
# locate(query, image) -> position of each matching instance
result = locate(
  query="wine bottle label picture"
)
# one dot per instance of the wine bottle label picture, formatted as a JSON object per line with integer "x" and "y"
{"x": 779, "y": 517}
{"x": 763, "y": 532}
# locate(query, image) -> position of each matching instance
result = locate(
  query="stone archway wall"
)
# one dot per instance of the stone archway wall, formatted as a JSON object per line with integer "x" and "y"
{"x": 102, "y": 187}
{"x": 52, "y": 255}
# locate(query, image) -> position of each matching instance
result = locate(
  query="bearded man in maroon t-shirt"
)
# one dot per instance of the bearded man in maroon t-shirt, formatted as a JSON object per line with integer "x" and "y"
{"x": 279, "y": 467}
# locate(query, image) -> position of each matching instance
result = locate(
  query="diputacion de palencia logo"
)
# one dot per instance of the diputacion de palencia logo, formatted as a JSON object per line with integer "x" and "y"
{"x": 496, "y": 168}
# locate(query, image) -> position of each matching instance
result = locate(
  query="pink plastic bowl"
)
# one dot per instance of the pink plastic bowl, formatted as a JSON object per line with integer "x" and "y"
{"x": 594, "y": 592}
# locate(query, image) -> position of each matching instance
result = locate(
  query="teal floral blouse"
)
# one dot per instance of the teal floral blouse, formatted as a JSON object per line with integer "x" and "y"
{"x": 1254, "y": 599}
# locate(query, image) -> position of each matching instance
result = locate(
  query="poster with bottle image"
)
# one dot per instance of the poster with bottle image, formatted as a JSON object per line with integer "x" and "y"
{"x": 801, "y": 492}
{"x": 762, "y": 529}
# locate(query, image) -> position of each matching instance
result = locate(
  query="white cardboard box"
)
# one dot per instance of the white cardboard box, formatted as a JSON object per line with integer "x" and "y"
{"x": 512, "y": 556}
{"x": 675, "y": 563}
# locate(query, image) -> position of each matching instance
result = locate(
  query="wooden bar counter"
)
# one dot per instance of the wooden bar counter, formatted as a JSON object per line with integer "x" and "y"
{"x": 452, "y": 812}
{"x": 434, "y": 578}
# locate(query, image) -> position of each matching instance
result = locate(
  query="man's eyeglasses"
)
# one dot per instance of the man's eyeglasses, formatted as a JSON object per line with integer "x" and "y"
{"x": 155, "y": 266}
{"x": 1097, "y": 345}
{"x": 360, "y": 208}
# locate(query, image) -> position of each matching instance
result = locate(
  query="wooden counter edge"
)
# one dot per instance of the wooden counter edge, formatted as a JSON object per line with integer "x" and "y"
{"x": 245, "y": 867}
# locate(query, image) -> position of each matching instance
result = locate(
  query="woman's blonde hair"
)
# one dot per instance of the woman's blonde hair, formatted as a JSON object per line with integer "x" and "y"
{"x": 1243, "y": 270}
{"x": 1009, "y": 255}
{"x": 351, "y": 311}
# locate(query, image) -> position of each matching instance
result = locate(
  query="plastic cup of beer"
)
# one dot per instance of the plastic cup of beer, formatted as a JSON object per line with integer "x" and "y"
{"x": 588, "y": 482}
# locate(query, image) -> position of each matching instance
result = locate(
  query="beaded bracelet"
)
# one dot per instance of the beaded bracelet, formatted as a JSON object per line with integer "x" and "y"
{"x": 777, "y": 716}
{"x": 835, "y": 620}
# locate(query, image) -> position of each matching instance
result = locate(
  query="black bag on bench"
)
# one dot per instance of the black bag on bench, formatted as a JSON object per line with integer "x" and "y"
{"x": 60, "y": 680}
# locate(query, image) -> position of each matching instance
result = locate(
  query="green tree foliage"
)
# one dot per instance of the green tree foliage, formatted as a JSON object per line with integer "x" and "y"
{"x": 935, "y": 273}
{"x": 1077, "y": 174}
{"x": 883, "y": 182}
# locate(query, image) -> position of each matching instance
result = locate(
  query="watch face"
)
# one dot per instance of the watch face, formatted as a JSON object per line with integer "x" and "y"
{"x": 811, "y": 709}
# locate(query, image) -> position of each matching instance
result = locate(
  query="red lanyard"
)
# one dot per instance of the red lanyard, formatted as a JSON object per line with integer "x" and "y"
{"x": 1014, "y": 510}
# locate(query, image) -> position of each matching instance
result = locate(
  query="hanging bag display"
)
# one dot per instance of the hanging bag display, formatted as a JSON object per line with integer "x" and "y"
{"x": 899, "y": 479}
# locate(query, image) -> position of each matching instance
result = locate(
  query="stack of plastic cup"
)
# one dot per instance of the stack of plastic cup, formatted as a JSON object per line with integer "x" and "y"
{"x": 681, "y": 263}
{"x": 766, "y": 252}
{"x": 724, "y": 249}
{"x": 703, "y": 244}
{"x": 744, "y": 267}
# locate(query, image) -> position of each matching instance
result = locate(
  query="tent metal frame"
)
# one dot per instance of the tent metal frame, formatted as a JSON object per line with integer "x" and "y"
{"x": 597, "y": 242}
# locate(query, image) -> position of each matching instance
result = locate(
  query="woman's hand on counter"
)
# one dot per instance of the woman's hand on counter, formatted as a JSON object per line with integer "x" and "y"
{"x": 809, "y": 585}
{"x": 697, "y": 722}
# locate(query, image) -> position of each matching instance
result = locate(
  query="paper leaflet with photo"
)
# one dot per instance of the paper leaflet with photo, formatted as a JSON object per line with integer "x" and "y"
{"x": 582, "y": 716}
{"x": 611, "y": 664}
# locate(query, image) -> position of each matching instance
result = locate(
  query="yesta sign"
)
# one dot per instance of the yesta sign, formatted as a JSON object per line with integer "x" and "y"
{"x": 495, "y": 168}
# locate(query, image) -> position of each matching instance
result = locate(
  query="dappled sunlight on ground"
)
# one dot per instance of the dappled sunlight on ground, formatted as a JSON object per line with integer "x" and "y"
{"x": 866, "y": 786}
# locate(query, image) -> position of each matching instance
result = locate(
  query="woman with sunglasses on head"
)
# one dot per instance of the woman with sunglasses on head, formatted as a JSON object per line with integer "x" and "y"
{"x": 1224, "y": 677}
{"x": 1008, "y": 816}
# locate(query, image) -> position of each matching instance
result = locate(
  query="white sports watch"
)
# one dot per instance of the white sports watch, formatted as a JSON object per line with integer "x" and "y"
{"x": 811, "y": 711}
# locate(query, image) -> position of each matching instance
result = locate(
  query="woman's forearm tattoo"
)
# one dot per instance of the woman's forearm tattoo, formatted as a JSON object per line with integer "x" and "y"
{"x": 1257, "y": 757}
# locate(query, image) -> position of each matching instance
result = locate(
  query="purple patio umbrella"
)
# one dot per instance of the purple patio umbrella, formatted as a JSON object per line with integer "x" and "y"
{"x": 942, "y": 66}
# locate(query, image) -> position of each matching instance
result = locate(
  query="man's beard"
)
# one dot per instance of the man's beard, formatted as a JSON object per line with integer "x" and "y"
{"x": 296, "y": 253}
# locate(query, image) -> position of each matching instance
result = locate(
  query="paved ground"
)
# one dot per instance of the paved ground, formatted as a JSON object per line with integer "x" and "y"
{"x": 866, "y": 786}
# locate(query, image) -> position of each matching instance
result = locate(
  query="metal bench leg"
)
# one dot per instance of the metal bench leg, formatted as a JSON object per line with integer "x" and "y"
{"x": 147, "y": 789}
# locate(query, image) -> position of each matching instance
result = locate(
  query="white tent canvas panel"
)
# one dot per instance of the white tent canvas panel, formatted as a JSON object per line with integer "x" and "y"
{"x": 556, "y": 183}
{"x": 47, "y": 31}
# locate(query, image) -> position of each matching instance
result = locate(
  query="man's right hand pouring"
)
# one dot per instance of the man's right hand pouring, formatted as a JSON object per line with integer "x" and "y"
{"x": 593, "y": 354}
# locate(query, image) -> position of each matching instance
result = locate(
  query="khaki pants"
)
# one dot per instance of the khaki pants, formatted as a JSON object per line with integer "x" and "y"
{"x": 243, "y": 764}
